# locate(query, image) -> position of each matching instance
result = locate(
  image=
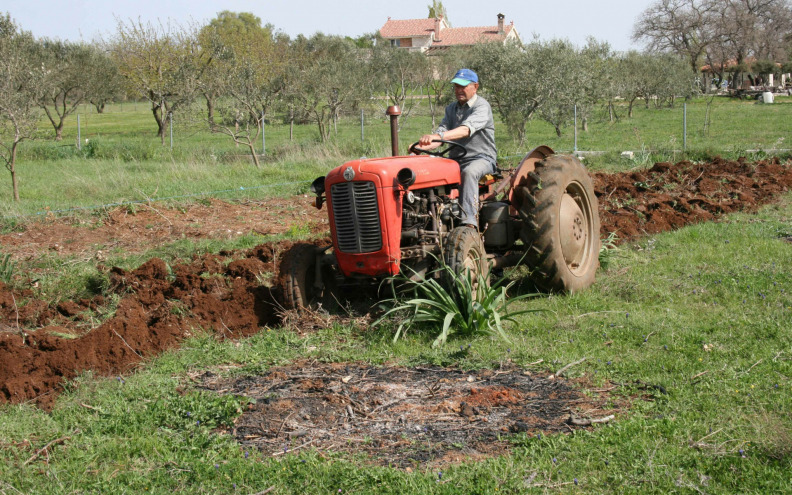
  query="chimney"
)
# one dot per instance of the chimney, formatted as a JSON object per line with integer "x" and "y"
{"x": 500, "y": 23}
{"x": 438, "y": 22}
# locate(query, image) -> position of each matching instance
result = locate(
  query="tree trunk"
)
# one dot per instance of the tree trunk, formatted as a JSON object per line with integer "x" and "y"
{"x": 12, "y": 169}
{"x": 291, "y": 123}
{"x": 630, "y": 109}
{"x": 209, "y": 110}
{"x": 521, "y": 136}
{"x": 59, "y": 131}
{"x": 155, "y": 109}
{"x": 431, "y": 108}
{"x": 611, "y": 111}
{"x": 253, "y": 154}
{"x": 558, "y": 130}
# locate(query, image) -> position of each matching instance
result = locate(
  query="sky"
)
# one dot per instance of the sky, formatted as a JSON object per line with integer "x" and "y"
{"x": 574, "y": 20}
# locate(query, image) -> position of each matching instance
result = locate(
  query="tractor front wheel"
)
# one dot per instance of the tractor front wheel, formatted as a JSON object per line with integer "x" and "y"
{"x": 298, "y": 277}
{"x": 560, "y": 225}
{"x": 465, "y": 254}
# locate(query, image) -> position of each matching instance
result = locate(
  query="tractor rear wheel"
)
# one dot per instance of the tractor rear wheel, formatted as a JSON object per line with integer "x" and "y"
{"x": 465, "y": 253}
{"x": 560, "y": 225}
{"x": 298, "y": 277}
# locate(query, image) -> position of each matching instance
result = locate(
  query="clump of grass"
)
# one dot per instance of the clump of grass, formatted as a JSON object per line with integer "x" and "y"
{"x": 608, "y": 250}
{"x": 7, "y": 268}
{"x": 456, "y": 306}
{"x": 773, "y": 436}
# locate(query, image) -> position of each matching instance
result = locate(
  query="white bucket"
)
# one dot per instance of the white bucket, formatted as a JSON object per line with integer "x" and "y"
{"x": 767, "y": 97}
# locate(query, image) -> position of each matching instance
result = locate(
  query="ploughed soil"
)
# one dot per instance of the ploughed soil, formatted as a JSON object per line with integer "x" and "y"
{"x": 234, "y": 294}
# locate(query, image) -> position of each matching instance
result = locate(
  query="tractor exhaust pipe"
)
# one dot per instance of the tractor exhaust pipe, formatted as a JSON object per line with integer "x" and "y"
{"x": 393, "y": 112}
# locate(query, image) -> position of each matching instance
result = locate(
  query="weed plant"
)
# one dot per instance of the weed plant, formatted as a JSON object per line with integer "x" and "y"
{"x": 457, "y": 305}
{"x": 7, "y": 268}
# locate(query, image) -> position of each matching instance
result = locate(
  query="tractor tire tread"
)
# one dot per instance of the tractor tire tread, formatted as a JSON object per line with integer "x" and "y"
{"x": 540, "y": 231}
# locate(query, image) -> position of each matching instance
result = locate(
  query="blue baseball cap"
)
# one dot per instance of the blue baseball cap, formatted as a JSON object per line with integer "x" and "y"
{"x": 463, "y": 77}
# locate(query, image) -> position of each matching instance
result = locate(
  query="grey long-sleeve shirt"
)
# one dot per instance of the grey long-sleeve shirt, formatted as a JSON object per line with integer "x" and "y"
{"x": 476, "y": 115}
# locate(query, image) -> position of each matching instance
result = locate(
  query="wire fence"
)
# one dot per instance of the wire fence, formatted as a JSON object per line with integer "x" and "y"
{"x": 721, "y": 124}
{"x": 725, "y": 126}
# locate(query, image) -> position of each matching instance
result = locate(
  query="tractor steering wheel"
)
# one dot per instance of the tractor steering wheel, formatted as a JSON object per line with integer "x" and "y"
{"x": 451, "y": 145}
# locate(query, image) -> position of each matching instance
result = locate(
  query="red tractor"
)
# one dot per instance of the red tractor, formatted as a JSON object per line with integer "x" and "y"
{"x": 402, "y": 211}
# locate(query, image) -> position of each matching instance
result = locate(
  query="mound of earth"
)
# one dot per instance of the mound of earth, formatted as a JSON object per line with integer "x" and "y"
{"x": 155, "y": 307}
{"x": 669, "y": 196}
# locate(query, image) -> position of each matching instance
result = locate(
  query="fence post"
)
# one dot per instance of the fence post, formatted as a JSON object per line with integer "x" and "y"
{"x": 576, "y": 129}
{"x": 684, "y": 126}
{"x": 79, "y": 146}
{"x": 263, "y": 136}
{"x": 170, "y": 118}
{"x": 362, "y": 137}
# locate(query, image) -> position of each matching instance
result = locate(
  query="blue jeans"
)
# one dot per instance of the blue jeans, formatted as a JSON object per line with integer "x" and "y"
{"x": 473, "y": 169}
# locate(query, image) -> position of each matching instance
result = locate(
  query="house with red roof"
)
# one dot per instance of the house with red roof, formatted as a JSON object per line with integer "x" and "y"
{"x": 432, "y": 35}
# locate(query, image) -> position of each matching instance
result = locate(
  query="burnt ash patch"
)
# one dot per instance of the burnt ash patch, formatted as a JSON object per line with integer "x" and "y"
{"x": 401, "y": 417}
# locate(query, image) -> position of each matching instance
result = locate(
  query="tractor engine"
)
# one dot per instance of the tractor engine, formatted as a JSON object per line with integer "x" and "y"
{"x": 427, "y": 213}
{"x": 384, "y": 211}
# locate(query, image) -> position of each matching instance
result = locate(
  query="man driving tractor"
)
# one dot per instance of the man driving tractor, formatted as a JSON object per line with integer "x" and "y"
{"x": 469, "y": 122}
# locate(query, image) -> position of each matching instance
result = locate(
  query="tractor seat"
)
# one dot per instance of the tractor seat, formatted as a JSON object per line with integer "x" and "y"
{"x": 491, "y": 178}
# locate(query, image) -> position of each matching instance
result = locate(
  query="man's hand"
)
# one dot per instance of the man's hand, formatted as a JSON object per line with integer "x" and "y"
{"x": 426, "y": 141}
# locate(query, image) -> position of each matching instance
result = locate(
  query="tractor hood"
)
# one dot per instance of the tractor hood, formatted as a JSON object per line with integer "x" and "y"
{"x": 429, "y": 171}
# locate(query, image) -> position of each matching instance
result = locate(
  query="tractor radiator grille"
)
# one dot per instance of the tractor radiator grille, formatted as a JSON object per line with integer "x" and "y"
{"x": 356, "y": 215}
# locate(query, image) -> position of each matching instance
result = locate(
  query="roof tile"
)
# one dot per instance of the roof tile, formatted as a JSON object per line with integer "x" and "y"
{"x": 471, "y": 35}
{"x": 407, "y": 27}
{"x": 448, "y": 36}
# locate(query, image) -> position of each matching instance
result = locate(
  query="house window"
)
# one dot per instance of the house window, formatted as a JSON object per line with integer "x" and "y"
{"x": 402, "y": 42}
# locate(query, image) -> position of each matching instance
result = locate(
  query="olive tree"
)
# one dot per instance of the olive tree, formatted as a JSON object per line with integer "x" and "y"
{"x": 19, "y": 91}
{"x": 244, "y": 57}
{"x": 398, "y": 74}
{"x": 247, "y": 71}
{"x": 65, "y": 80}
{"x": 561, "y": 80}
{"x": 595, "y": 79}
{"x": 104, "y": 82}
{"x": 330, "y": 72}
{"x": 162, "y": 63}
{"x": 671, "y": 79}
{"x": 508, "y": 80}
{"x": 437, "y": 79}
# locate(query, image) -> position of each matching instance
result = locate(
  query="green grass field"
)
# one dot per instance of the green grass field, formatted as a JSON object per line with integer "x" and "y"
{"x": 123, "y": 160}
{"x": 704, "y": 312}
